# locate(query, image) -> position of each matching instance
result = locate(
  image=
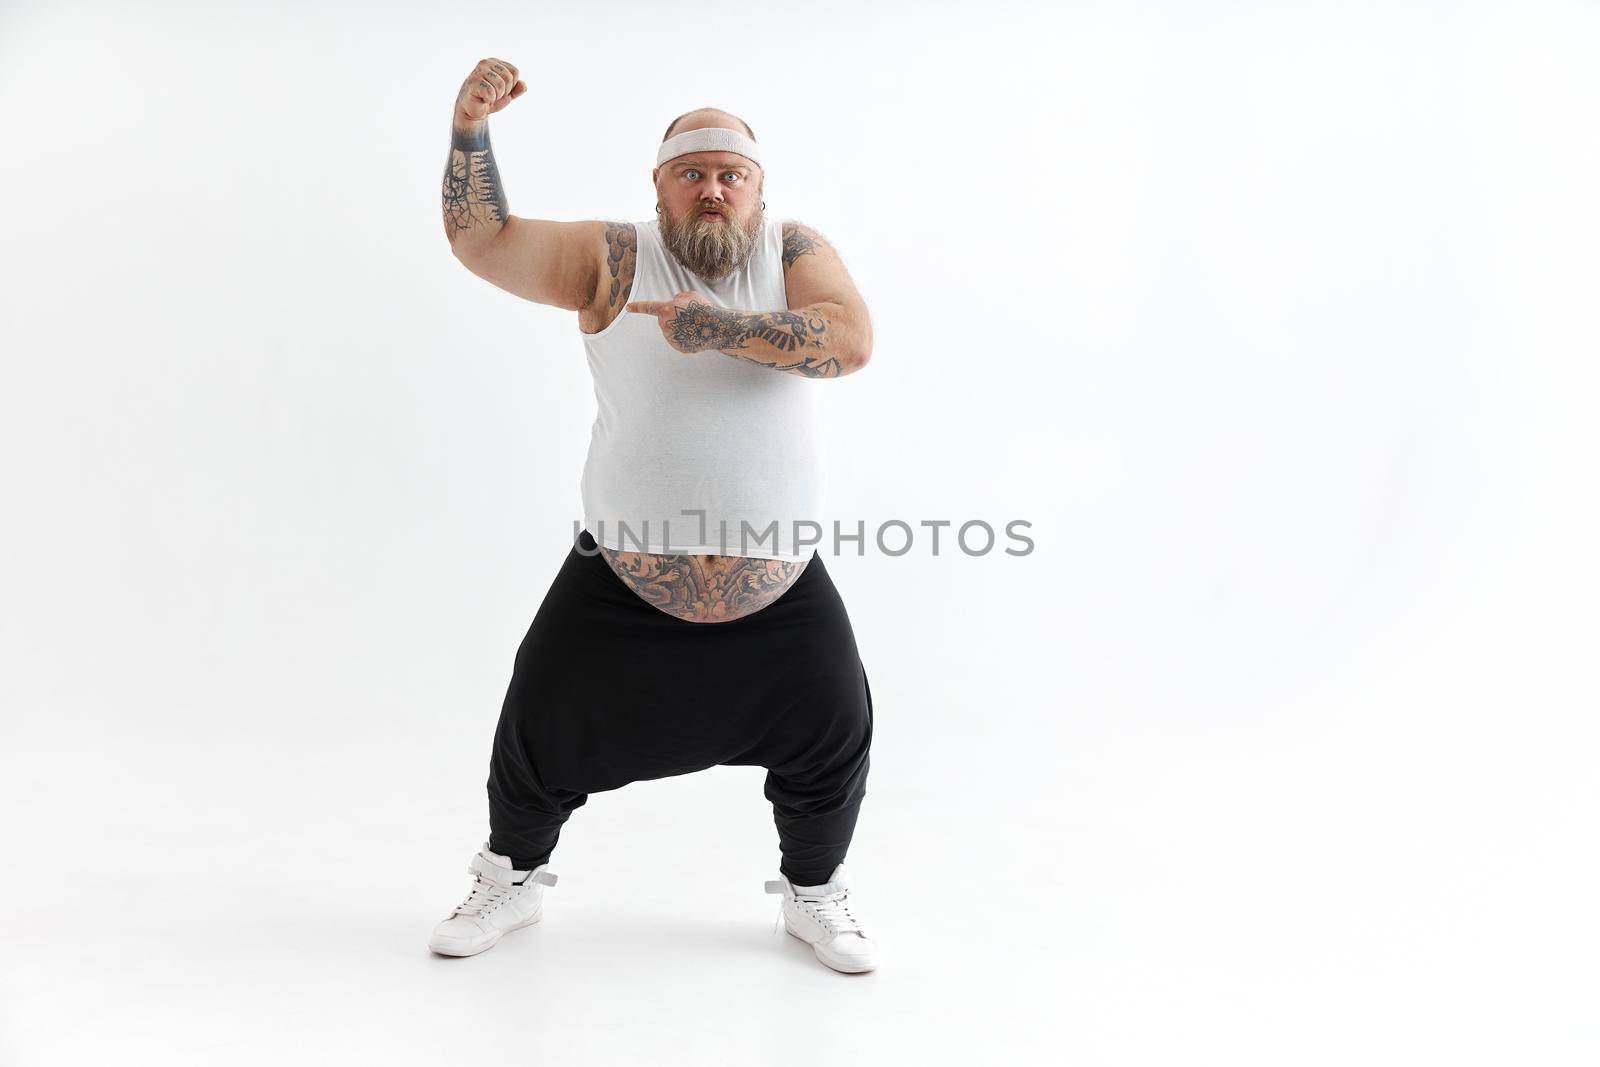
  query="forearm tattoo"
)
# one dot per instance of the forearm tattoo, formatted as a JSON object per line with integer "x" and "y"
{"x": 699, "y": 326}
{"x": 472, "y": 193}
{"x": 704, "y": 588}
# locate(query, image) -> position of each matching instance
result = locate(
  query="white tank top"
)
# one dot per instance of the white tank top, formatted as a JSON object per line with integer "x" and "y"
{"x": 675, "y": 435}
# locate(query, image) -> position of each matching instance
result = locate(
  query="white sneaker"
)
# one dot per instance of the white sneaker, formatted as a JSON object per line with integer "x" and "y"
{"x": 820, "y": 916}
{"x": 502, "y": 900}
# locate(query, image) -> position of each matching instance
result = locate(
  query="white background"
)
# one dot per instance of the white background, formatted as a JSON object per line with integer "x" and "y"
{"x": 1277, "y": 321}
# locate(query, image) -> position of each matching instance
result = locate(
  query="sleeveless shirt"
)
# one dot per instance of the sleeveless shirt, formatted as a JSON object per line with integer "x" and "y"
{"x": 675, "y": 435}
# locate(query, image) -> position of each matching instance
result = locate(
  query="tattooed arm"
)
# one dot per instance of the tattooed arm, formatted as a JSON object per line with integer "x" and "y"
{"x": 825, "y": 333}
{"x": 554, "y": 263}
{"x": 473, "y": 199}
{"x": 813, "y": 342}
{"x": 810, "y": 341}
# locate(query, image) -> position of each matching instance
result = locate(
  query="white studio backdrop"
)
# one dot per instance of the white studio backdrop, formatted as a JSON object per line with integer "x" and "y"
{"x": 1275, "y": 321}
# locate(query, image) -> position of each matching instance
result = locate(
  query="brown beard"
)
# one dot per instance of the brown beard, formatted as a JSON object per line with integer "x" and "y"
{"x": 711, "y": 249}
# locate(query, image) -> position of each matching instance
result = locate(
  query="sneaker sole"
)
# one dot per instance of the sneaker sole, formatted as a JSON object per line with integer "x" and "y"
{"x": 446, "y": 949}
{"x": 841, "y": 968}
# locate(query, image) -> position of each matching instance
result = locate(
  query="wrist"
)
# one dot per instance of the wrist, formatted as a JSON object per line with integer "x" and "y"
{"x": 469, "y": 137}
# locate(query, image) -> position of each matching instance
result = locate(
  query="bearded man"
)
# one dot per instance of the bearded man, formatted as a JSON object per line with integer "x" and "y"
{"x": 689, "y": 626}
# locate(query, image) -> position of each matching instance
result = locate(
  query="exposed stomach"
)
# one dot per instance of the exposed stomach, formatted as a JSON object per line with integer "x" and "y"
{"x": 704, "y": 588}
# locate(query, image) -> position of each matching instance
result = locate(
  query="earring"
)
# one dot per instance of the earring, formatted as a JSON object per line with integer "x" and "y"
{"x": 658, "y": 209}
{"x": 763, "y": 205}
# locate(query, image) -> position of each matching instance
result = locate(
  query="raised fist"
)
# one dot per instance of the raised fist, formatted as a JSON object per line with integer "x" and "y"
{"x": 492, "y": 85}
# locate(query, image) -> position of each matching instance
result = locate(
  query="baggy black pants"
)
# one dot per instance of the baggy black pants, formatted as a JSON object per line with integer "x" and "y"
{"x": 609, "y": 690}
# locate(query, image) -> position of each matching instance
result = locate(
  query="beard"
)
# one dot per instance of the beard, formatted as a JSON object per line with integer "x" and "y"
{"x": 710, "y": 248}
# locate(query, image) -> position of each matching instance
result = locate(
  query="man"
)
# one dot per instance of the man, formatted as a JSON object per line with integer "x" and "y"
{"x": 688, "y": 627}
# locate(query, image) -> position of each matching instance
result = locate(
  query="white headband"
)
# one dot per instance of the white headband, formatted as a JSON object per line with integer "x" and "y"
{"x": 708, "y": 139}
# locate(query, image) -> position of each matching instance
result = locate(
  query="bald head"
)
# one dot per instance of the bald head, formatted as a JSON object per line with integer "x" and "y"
{"x": 701, "y": 117}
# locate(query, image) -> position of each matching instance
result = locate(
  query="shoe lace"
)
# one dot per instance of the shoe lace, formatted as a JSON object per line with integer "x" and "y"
{"x": 832, "y": 910}
{"x": 484, "y": 898}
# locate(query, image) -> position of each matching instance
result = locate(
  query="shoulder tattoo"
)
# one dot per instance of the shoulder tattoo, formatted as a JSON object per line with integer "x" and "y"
{"x": 797, "y": 241}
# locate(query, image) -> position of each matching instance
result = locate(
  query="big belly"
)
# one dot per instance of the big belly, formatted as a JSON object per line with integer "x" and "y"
{"x": 704, "y": 588}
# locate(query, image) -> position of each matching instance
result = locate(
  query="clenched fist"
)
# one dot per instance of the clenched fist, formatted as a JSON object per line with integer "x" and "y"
{"x": 492, "y": 85}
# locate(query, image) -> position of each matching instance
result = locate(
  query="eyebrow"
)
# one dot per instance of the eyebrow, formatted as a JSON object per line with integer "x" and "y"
{"x": 706, "y": 166}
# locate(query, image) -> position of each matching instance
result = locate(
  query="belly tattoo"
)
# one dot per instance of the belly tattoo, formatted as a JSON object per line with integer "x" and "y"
{"x": 704, "y": 588}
